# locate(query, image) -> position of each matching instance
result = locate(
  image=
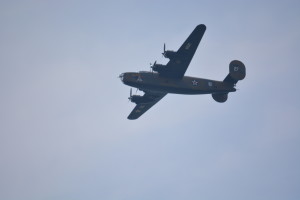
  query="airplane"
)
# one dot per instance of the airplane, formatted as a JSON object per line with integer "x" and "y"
{"x": 169, "y": 78}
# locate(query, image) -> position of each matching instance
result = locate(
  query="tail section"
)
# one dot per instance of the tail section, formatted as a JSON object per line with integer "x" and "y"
{"x": 221, "y": 98}
{"x": 237, "y": 72}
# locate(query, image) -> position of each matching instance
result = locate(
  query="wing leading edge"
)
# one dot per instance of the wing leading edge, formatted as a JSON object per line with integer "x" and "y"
{"x": 175, "y": 68}
{"x": 141, "y": 108}
{"x": 178, "y": 65}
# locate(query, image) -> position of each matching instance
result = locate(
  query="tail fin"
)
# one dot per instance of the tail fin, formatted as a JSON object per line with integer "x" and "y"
{"x": 237, "y": 72}
{"x": 221, "y": 98}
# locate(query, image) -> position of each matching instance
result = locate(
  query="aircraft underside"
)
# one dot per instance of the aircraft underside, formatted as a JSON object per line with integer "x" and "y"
{"x": 184, "y": 91}
{"x": 146, "y": 81}
{"x": 169, "y": 78}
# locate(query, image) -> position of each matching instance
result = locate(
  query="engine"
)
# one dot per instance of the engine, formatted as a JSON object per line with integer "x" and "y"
{"x": 169, "y": 54}
{"x": 158, "y": 67}
{"x": 139, "y": 99}
{"x": 221, "y": 98}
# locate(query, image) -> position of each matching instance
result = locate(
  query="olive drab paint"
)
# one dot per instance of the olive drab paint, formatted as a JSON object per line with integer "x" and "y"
{"x": 169, "y": 78}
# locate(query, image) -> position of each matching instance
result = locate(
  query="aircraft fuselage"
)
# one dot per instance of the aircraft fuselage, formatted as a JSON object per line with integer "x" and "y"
{"x": 152, "y": 81}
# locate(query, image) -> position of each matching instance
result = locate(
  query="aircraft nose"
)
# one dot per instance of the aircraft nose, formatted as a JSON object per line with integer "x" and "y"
{"x": 121, "y": 76}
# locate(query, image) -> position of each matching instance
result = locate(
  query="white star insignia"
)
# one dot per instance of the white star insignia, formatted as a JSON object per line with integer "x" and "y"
{"x": 195, "y": 82}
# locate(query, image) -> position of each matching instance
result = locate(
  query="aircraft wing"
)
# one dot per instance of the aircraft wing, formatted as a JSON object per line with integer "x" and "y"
{"x": 178, "y": 65}
{"x": 141, "y": 108}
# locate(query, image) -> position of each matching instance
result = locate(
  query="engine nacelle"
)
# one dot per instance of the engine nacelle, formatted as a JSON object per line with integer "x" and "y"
{"x": 221, "y": 98}
{"x": 139, "y": 99}
{"x": 169, "y": 54}
{"x": 158, "y": 68}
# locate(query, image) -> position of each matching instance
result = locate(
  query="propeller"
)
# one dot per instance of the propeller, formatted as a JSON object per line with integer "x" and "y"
{"x": 151, "y": 66}
{"x": 130, "y": 93}
{"x": 164, "y": 50}
{"x": 131, "y": 97}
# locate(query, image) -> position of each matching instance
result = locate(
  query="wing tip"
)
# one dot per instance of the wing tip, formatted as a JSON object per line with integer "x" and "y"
{"x": 131, "y": 118}
{"x": 201, "y": 27}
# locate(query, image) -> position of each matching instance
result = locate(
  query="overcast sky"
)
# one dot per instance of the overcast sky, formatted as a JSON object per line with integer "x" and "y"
{"x": 64, "y": 132}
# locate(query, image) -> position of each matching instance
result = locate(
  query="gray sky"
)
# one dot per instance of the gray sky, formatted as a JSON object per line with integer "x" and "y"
{"x": 63, "y": 127}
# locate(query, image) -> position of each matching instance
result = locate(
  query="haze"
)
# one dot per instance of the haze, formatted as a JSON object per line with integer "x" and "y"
{"x": 64, "y": 132}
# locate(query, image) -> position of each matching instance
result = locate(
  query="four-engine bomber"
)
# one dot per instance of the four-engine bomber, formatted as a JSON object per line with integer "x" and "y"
{"x": 169, "y": 78}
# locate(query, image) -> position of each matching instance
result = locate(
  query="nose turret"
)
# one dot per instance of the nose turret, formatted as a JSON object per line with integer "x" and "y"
{"x": 130, "y": 78}
{"x": 121, "y": 76}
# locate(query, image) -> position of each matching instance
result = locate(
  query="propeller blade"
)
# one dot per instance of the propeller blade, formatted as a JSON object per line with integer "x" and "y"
{"x": 163, "y": 53}
{"x": 151, "y": 66}
{"x": 130, "y": 93}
